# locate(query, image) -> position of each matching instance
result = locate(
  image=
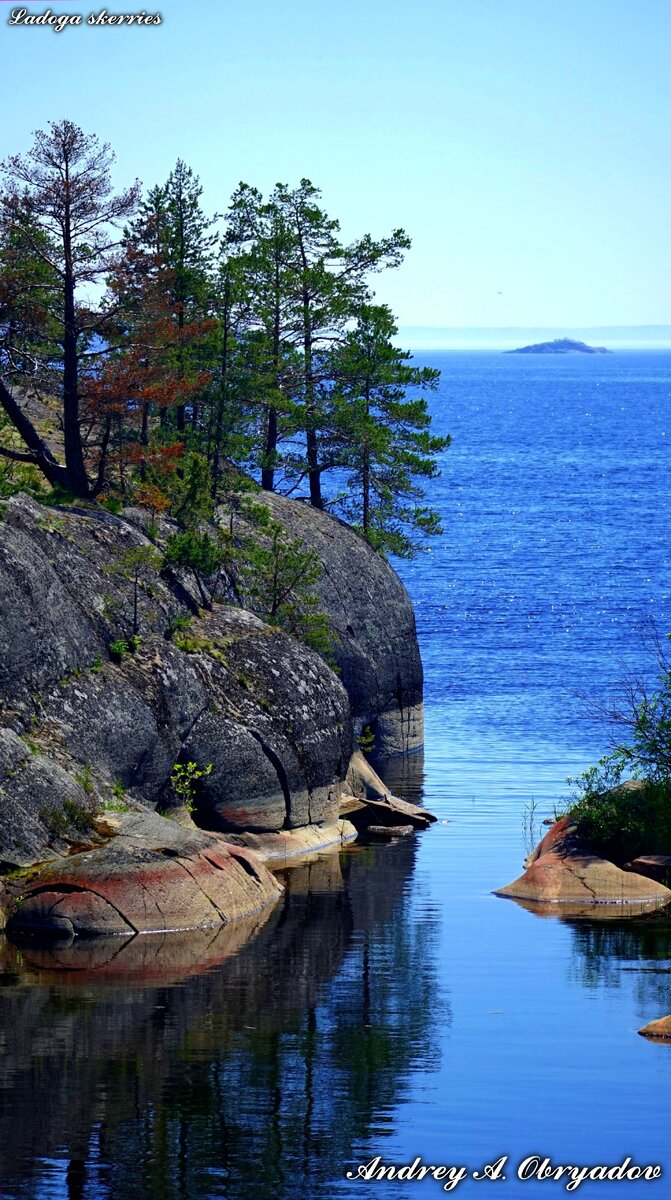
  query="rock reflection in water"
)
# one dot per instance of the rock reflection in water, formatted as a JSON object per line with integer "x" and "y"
{"x": 246, "y": 1064}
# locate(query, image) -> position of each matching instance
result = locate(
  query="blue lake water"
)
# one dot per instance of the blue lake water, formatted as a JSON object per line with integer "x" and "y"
{"x": 391, "y": 1004}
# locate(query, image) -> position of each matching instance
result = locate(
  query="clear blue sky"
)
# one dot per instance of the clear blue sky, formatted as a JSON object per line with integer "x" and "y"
{"x": 524, "y": 146}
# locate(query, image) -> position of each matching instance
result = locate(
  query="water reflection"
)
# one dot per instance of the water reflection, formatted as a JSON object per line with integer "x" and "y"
{"x": 246, "y": 1064}
{"x": 609, "y": 954}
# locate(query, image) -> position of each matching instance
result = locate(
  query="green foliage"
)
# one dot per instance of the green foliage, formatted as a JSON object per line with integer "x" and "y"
{"x": 119, "y": 790}
{"x": 382, "y": 437}
{"x": 624, "y": 822}
{"x": 184, "y": 778}
{"x": 118, "y": 650}
{"x": 180, "y": 623}
{"x": 190, "y": 643}
{"x": 119, "y": 806}
{"x": 277, "y": 582}
{"x": 17, "y": 477}
{"x": 32, "y": 746}
{"x": 197, "y": 552}
{"x": 619, "y": 822}
{"x": 367, "y": 739}
{"x": 138, "y": 565}
{"x": 112, "y": 504}
{"x": 259, "y": 351}
{"x": 85, "y": 780}
{"x": 192, "y": 493}
{"x": 58, "y": 497}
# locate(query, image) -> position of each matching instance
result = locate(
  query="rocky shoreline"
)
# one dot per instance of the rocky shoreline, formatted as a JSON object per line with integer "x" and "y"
{"x": 93, "y": 835}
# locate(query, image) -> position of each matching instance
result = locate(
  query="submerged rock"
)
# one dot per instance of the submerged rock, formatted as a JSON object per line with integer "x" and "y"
{"x": 562, "y": 870}
{"x": 387, "y": 832}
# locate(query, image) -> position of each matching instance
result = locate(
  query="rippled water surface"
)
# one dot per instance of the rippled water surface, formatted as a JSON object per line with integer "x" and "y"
{"x": 390, "y": 1004}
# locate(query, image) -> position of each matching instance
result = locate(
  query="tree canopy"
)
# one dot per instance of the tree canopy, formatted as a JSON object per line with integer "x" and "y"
{"x": 153, "y": 329}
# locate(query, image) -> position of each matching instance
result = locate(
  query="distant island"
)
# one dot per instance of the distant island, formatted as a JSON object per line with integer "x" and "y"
{"x": 560, "y": 346}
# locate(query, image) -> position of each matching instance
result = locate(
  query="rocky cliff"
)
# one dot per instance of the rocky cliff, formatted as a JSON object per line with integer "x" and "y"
{"x": 373, "y": 625}
{"x": 88, "y": 734}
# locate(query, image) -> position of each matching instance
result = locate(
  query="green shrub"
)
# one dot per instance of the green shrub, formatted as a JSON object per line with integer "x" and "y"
{"x": 277, "y": 581}
{"x": 620, "y": 822}
{"x": 118, "y": 649}
{"x": 184, "y": 779}
{"x": 198, "y": 553}
{"x": 179, "y": 624}
{"x": 85, "y": 781}
{"x": 367, "y": 740}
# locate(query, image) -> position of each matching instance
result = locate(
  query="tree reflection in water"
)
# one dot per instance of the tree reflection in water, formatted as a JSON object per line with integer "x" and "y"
{"x": 608, "y": 951}
{"x": 253, "y": 1063}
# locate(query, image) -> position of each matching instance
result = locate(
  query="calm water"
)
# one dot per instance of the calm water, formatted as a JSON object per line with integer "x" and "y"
{"x": 390, "y": 1004}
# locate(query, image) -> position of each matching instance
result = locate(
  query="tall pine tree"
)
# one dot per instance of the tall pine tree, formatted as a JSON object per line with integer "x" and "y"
{"x": 384, "y": 435}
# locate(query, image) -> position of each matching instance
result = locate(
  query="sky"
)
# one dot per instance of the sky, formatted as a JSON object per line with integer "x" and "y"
{"x": 524, "y": 146}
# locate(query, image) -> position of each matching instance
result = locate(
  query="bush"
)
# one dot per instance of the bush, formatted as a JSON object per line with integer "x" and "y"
{"x": 118, "y": 650}
{"x": 184, "y": 779}
{"x": 198, "y": 553}
{"x": 622, "y": 822}
{"x": 278, "y": 578}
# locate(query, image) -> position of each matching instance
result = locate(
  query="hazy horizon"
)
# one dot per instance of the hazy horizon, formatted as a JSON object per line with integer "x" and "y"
{"x": 509, "y": 337}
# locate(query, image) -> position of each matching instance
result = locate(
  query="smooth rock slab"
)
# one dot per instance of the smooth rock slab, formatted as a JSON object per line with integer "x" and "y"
{"x": 561, "y": 870}
{"x": 154, "y": 877}
{"x": 277, "y": 848}
{"x": 658, "y": 1030}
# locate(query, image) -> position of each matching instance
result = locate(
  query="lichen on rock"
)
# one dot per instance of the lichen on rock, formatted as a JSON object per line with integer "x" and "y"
{"x": 94, "y": 720}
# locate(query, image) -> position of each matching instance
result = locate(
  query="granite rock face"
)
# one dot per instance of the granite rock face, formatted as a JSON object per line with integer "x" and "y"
{"x": 563, "y": 870}
{"x": 153, "y": 877}
{"x": 81, "y": 733}
{"x": 658, "y": 1030}
{"x": 372, "y": 618}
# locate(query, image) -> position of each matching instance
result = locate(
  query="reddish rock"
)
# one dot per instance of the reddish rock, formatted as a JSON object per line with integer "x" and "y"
{"x": 658, "y": 1030}
{"x": 562, "y": 838}
{"x": 562, "y": 870}
{"x": 153, "y": 877}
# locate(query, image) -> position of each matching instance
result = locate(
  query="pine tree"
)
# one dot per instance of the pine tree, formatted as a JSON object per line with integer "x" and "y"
{"x": 64, "y": 181}
{"x": 383, "y": 435}
{"x": 326, "y": 282}
{"x": 171, "y": 242}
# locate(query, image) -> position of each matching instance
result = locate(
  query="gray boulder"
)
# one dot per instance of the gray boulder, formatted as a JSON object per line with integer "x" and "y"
{"x": 373, "y": 622}
{"x": 82, "y": 733}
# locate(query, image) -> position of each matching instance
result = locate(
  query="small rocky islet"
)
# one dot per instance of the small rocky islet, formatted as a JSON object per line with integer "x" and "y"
{"x": 559, "y": 346}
